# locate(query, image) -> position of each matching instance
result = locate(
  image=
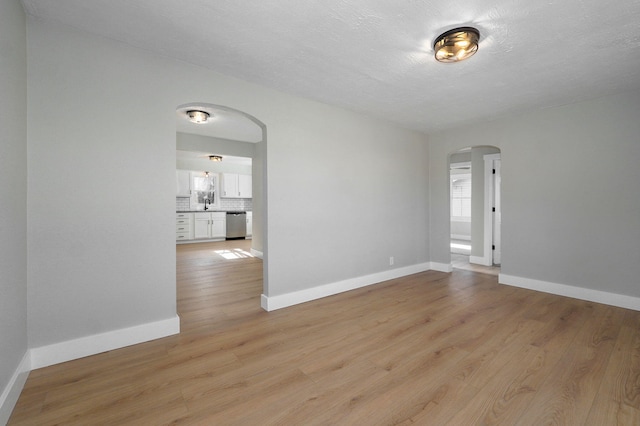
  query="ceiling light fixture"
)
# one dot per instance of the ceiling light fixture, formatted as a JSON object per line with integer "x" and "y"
{"x": 457, "y": 44}
{"x": 215, "y": 158}
{"x": 198, "y": 117}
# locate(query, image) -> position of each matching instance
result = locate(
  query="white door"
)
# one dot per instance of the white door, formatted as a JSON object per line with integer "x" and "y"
{"x": 497, "y": 214}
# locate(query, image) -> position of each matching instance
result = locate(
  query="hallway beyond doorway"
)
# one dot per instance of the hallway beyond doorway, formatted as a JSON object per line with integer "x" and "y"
{"x": 461, "y": 261}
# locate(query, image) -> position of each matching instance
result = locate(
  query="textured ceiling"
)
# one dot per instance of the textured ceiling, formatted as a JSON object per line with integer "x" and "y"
{"x": 375, "y": 56}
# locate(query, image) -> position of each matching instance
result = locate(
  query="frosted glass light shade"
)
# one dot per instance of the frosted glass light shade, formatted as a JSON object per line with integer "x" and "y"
{"x": 456, "y": 45}
{"x": 198, "y": 117}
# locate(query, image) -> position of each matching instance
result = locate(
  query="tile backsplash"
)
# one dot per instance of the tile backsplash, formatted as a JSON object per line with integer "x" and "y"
{"x": 235, "y": 203}
{"x": 183, "y": 204}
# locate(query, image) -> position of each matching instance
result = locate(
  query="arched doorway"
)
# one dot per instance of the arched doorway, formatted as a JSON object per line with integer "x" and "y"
{"x": 230, "y": 132}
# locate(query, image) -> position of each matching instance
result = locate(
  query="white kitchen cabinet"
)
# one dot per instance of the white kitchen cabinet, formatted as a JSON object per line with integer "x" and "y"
{"x": 210, "y": 225}
{"x": 229, "y": 185}
{"x": 249, "y": 224}
{"x": 218, "y": 225}
{"x": 183, "y": 183}
{"x": 202, "y": 225}
{"x": 245, "y": 186}
{"x": 236, "y": 186}
{"x": 184, "y": 226}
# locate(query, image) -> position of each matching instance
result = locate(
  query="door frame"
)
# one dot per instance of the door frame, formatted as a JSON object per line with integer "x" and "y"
{"x": 487, "y": 258}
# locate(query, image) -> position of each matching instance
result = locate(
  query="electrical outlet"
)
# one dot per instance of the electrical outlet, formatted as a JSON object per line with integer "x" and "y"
{"x": 391, "y": 261}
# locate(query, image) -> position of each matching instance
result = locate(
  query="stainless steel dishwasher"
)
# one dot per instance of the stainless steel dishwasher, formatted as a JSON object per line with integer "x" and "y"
{"x": 236, "y": 225}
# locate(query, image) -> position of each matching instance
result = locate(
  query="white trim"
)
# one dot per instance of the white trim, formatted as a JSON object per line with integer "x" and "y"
{"x": 440, "y": 267}
{"x": 461, "y": 237}
{"x": 480, "y": 260}
{"x": 271, "y": 303}
{"x": 44, "y": 356}
{"x": 264, "y": 302}
{"x": 487, "y": 252}
{"x": 613, "y": 299}
{"x": 257, "y": 253}
{"x": 12, "y": 391}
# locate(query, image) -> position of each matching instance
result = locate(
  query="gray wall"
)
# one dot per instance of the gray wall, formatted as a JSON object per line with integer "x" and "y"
{"x": 205, "y": 165}
{"x": 99, "y": 133}
{"x": 13, "y": 191}
{"x": 345, "y": 193}
{"x": 259, "y": 205}
{"x": 571, "y": 214}
{"x": 335, "y": 182}
{"x": 199, "y": 143}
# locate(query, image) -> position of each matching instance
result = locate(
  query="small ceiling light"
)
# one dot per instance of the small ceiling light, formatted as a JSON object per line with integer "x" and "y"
{"x": 215, "y": 158}
{"x": 456, "y": 44}
{"x": 198, "y": 117}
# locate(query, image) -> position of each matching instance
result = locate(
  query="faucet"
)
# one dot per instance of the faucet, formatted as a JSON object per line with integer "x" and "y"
{"x": 205, "y": 204}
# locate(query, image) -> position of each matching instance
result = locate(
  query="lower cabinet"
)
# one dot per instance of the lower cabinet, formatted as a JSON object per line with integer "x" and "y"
{"x": 184, "y": 229}
{"x": 210, "y": 225}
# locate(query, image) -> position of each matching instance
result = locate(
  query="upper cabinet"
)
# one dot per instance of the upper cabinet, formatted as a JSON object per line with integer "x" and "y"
{"x": 236, "y": 186}
{"x": 230, "y": 185}
{"x": 183, "y": 180}
{"x": 245, "y": 186}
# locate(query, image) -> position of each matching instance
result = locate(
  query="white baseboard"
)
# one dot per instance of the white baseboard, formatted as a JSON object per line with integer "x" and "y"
{"x": 12, "y": 391}
{"x": 256, "y": 253}
{"x": 289, "y": 299}
{"x": 442, "y": 267}
{"x": 56, "y": 353}
{"x": 613, "y": 299}
{"x": 480, "y": 260}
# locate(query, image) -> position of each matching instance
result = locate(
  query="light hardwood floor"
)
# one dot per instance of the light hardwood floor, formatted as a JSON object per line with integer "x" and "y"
{"x": 430, "y": 349}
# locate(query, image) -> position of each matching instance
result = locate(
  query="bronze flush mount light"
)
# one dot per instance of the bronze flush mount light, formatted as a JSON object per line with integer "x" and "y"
{"x": 456, "y": 44}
